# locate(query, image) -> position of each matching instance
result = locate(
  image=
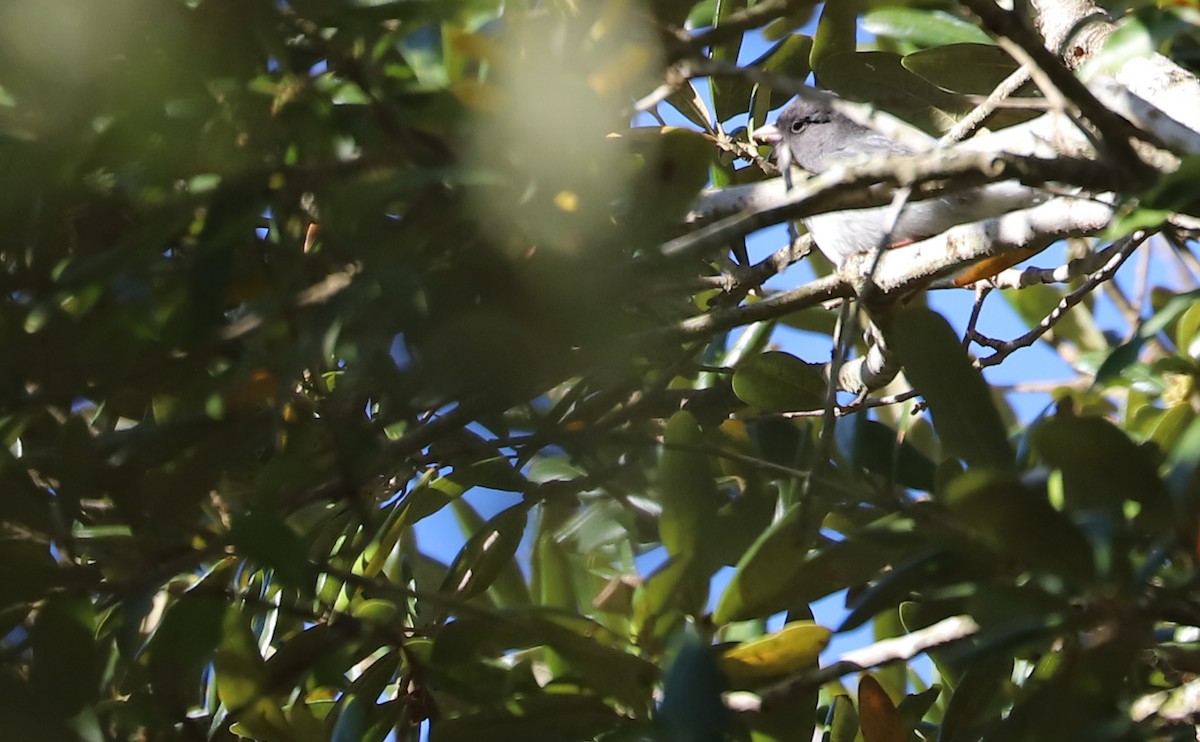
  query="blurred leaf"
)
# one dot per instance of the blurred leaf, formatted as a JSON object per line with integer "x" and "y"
{"x": 1103, "y": 468}
{"x": 978, "y": 698}
{"x": 877, "y": 715}
{"x": 874, "y": 447}
{"x": 566, "y": 716}
{"x": 1138, "y": 36}
{"x": 837, "y": 33}
{"x": 967, "y": 68}
{"x": 349, "y": 726}
{"x": 843, "y": 725}
{"x": 923, "y": 27}
{"x": 269, "y": 541}
{"x": 780, "y": 382}
{"x": 914, "y": 707}
{"x": 780, "y": 571}
{"x": 592, "y": 654}
{"x": 794, "y": 647}
{"x": 963, "y": 412}
{"x": 687, "y": 490}
{"x": 508, "y": 588}
{"x": 692, "y": 707}
{"x": 1020, "y": 524}
{"x": 486, "y": 555}
{"x": 66, "y": 660}
{"x": 881, "y": 79}
{"x": 184, "y": 643}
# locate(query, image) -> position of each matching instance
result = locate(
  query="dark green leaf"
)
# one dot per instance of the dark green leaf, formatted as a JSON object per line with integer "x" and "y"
{"x": 780, "y": 382}
{"x": 961, "y": 404}
{"x": 268, "y": 541}
{"x": 923, "y": 27}
{"x": 487, "y": 554}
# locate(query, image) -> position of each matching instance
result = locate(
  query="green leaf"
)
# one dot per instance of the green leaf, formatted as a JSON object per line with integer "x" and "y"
{"x": 487, "y": 554}
{"x": 880, "y": 77}
{"x": 914, "y": 706}
{"x": 794, "y": 647}
{"x": 1019, "y": 524}
{"x": 843, "y": 720}
{"x": 968, "y": 69}
{"x": 66, "y": 661}
{"x": 350, "y": 722}
{"x": 268, "y": 541}
{"x": 1138, "y": 36}
{"x": 923, "y": 27}
{"x": 873, "y": 446}
{"x": 780, "y": 382}
{"x": 184, "y": 643}
{"x": 780, "y": 571}
{"x": 548, "y": 716}
{"x": 1103, "y": 468}
{"x": 688, "y": 491}
{"x": 978, "y": 698}
{"x": 790, "y": 58}
{"x": 657, "y": 601}
{"x": 508, "y": 588}
{"x": 692, "y": 707}
{"x": 960, "y": 401}
{"x": 837, "y": 34}
{"x": 593, "y": 655}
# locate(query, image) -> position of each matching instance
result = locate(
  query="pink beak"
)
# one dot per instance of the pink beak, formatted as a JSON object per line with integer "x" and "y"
{"x": 768, "y": 135}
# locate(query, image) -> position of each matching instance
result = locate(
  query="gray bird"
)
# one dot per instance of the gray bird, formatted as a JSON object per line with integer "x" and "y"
{"x": 815, "y": 137}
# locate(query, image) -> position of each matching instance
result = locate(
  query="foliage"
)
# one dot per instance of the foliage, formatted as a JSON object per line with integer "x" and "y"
{"x": 284, "y": 279}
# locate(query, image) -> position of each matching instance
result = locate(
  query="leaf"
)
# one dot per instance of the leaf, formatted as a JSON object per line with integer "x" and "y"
{"x": 692, "y": 707}
{"x": 794, "y": 647}
{"x": 674, "y": 170}
{"x": 66, "y": 662}
{"x": 1020, "y": 524}
{"x": 780, "y": 382}
{"x": 979, "y": 697}
{"x": 659, "y": 597}
{"x": 350, "y": 722}
{"x": 594, "y": 655}
{"x": 266, "y": 540}
{"x": 790, "y": 58}
{"x": 968, "y": 69}
{"x": 1187, "y": 332}
{"x": 687, "y": 489}
{"x": 1139, "y": 35}
{"x": 880, "y": 77}
{"x": 914, "y": 707}
{"x": 508, "y": 588}
{"x": 780, "y": 571}
{"x": 873, "y": 446}
{"x": 923, "y": 27}
{"x": 960, "y": 401}
{"x": 548, "y": 716}
{"x": 1103, "y": 468}
{"x": 843, "y": 726}
{"x": 184, "y": 643}
{"x": 241, "y": 679}
{"x": 487, "y": 553}
{"x": 837, "y": 34}
{"x": 877, "y": 715}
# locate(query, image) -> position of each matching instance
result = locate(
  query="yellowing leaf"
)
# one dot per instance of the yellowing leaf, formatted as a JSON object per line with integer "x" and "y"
{"x": 792, "y": 648}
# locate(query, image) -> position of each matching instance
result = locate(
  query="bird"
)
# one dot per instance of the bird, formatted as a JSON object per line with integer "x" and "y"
{"x": 815, "y": 137}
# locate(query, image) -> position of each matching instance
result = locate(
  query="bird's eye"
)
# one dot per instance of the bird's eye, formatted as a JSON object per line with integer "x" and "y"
{"x": 797, "y": 127}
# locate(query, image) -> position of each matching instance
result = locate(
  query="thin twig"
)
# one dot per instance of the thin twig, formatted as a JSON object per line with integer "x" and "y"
{"x": 1005, "y": 349}
{"x": 973, "y": 120}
